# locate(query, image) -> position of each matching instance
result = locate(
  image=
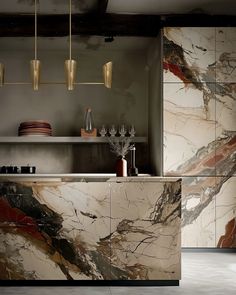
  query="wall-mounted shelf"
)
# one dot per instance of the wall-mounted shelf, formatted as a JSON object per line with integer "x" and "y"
{"x": 61, "y": 139}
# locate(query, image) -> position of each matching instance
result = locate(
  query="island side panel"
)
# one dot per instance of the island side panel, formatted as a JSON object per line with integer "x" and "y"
{"x": 57, "y": 231}
{"x": 145, "y": 231}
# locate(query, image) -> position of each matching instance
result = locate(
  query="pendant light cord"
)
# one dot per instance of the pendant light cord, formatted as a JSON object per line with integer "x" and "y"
{"x": 70, "y": 29}
{"x": 35, "y": 29}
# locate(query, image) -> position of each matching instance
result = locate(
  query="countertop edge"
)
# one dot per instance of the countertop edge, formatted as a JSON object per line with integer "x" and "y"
{"x": 85, "y": 177}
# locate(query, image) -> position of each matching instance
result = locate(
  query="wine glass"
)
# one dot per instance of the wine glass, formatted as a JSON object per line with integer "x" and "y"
{"x": 122, "y": 130}
{"x": 132, "y": 131}
{"x": 112, "y": 130}
{"x": 103, "y": 131}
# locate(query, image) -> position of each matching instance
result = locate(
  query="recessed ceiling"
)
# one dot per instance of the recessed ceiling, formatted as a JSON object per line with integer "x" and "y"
{"x": 172, "y": 6}
{"x": 122, "y": 6}
{"x": 47, "y": 7}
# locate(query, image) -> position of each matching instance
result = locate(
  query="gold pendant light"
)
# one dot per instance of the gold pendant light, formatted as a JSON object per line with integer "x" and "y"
{"x": 1, "y": 74}
{"x": 107, "y": 74}
{"x": 70, "y": 64}
{"x": 35, "y": 63}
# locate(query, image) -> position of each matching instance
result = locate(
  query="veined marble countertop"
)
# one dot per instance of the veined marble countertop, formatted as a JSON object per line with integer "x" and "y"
{"x": 86, "y": 177}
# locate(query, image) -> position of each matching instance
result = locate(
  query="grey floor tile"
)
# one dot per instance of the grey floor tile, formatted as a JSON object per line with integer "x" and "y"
{"x": 202, "y": 273}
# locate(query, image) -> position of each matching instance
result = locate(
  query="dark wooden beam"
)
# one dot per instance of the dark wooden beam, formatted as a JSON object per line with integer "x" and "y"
{"x": 15, "y": 25}
{"x": 197, "y": 20}
{"x": 56, "y": 25}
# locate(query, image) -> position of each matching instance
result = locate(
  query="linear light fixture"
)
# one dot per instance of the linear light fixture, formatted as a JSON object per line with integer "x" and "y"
{"x": 35, "y": 64}
{"x": 70, "y": 64}
{"x": 53, "y": 83}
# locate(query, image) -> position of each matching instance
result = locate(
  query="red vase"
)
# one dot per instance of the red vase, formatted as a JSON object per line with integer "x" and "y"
{"x": 121, "y": 167}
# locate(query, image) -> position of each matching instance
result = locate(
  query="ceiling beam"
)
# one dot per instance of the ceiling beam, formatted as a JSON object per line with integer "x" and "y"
{"x": 56, "y": 25}
{"x": 197, "y": 20}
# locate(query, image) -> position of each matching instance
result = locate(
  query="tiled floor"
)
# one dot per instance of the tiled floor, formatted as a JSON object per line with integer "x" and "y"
{"x": 202, "y": 273}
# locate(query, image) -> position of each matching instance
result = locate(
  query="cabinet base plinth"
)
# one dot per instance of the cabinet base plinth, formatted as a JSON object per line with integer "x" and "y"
{"x": 87, "y": 283}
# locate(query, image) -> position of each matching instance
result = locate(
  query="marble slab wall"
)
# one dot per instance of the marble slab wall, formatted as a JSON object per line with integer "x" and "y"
{"x": 90, "y": 231}
{"x": 199, "y": 90}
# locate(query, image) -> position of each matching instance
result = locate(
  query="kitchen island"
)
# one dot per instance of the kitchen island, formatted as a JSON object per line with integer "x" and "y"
{"x": 90, "y": 230}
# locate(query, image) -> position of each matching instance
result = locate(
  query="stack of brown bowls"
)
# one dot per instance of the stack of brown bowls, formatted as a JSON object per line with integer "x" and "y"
{"x": 37, "y": 127}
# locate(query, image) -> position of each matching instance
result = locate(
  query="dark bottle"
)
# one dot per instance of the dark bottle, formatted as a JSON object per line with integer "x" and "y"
{"x": 88, "y": 121}
{"x": 133, "y": 170}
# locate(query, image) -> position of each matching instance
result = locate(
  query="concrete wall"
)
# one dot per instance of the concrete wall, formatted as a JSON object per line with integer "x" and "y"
{"x": 126, "y": 102}
{"x": 155, "y": 105}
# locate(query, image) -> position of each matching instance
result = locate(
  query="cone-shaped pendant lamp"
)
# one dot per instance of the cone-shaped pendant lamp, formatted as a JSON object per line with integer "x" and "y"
{"x": 107, "y": 74}
{"x": 35, "y": 63}
{"x": 1, "y": 74}
{"x": 70, "y": 64}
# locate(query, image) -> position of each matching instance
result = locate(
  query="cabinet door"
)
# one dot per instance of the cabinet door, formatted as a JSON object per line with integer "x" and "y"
{"x": 226, "y": 137}
{"x": 198, "y": 212}
{"x": 189, "y": 101}
{"x": 226, "y": 212}
{"x": 56, "y": 230}
{"x": 226, "y": 101}
{"x": 145, "y": 231}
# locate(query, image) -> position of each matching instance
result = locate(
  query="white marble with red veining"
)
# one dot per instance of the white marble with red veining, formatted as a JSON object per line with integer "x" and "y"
{"x": 200, "y": 128}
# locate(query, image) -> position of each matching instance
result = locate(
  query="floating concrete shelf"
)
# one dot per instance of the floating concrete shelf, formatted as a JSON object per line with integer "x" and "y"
{"x": 62, "y": 139}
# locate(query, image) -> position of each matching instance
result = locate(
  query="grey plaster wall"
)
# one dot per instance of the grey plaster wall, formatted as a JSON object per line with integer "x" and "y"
{"x": 126, "y": 102}
{"x": 155, "y": 105}
{"x": 46, "y": 158}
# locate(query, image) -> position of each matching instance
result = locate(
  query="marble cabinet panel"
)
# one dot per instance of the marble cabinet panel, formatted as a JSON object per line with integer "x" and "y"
{"x": 226, "y": 54}
{"x": 90, "y": 230}
{"x": 189, "y": 54}
{"x": 209, "y": 212}
{"x": 226, "y": 129}
{"x": 226, "y": 212}
{"x": 198, "y": 212}
{"x": 200, "y": 129}
{"x": 145, "y": 231}
{"x": 57, "y": 231}
{"x": 192, "y": 110}
{"x": 189, "y": 129}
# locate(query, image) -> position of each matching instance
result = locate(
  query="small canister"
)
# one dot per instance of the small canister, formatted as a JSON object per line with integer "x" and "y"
{"x": 28, "y": 169}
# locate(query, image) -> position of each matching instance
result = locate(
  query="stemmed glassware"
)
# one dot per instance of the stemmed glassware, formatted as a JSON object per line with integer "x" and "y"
{"x": 112, "y": 130}
{"x": 103, "y": 131}
{"x": 122, "y": 130}
{"x": 132, "y": 131}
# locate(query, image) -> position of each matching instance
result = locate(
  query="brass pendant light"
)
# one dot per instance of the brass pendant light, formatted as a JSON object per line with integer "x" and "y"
{"x": 70, "y": 64}
{"x": 107, "y": 74}
{"x": 1, "y": 74}
{"x": 35, "y": 63}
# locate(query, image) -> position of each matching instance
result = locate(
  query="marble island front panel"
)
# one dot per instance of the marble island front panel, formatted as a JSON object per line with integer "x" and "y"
{"x": 145, "y": 230}
{"x": 90, "y": 231}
